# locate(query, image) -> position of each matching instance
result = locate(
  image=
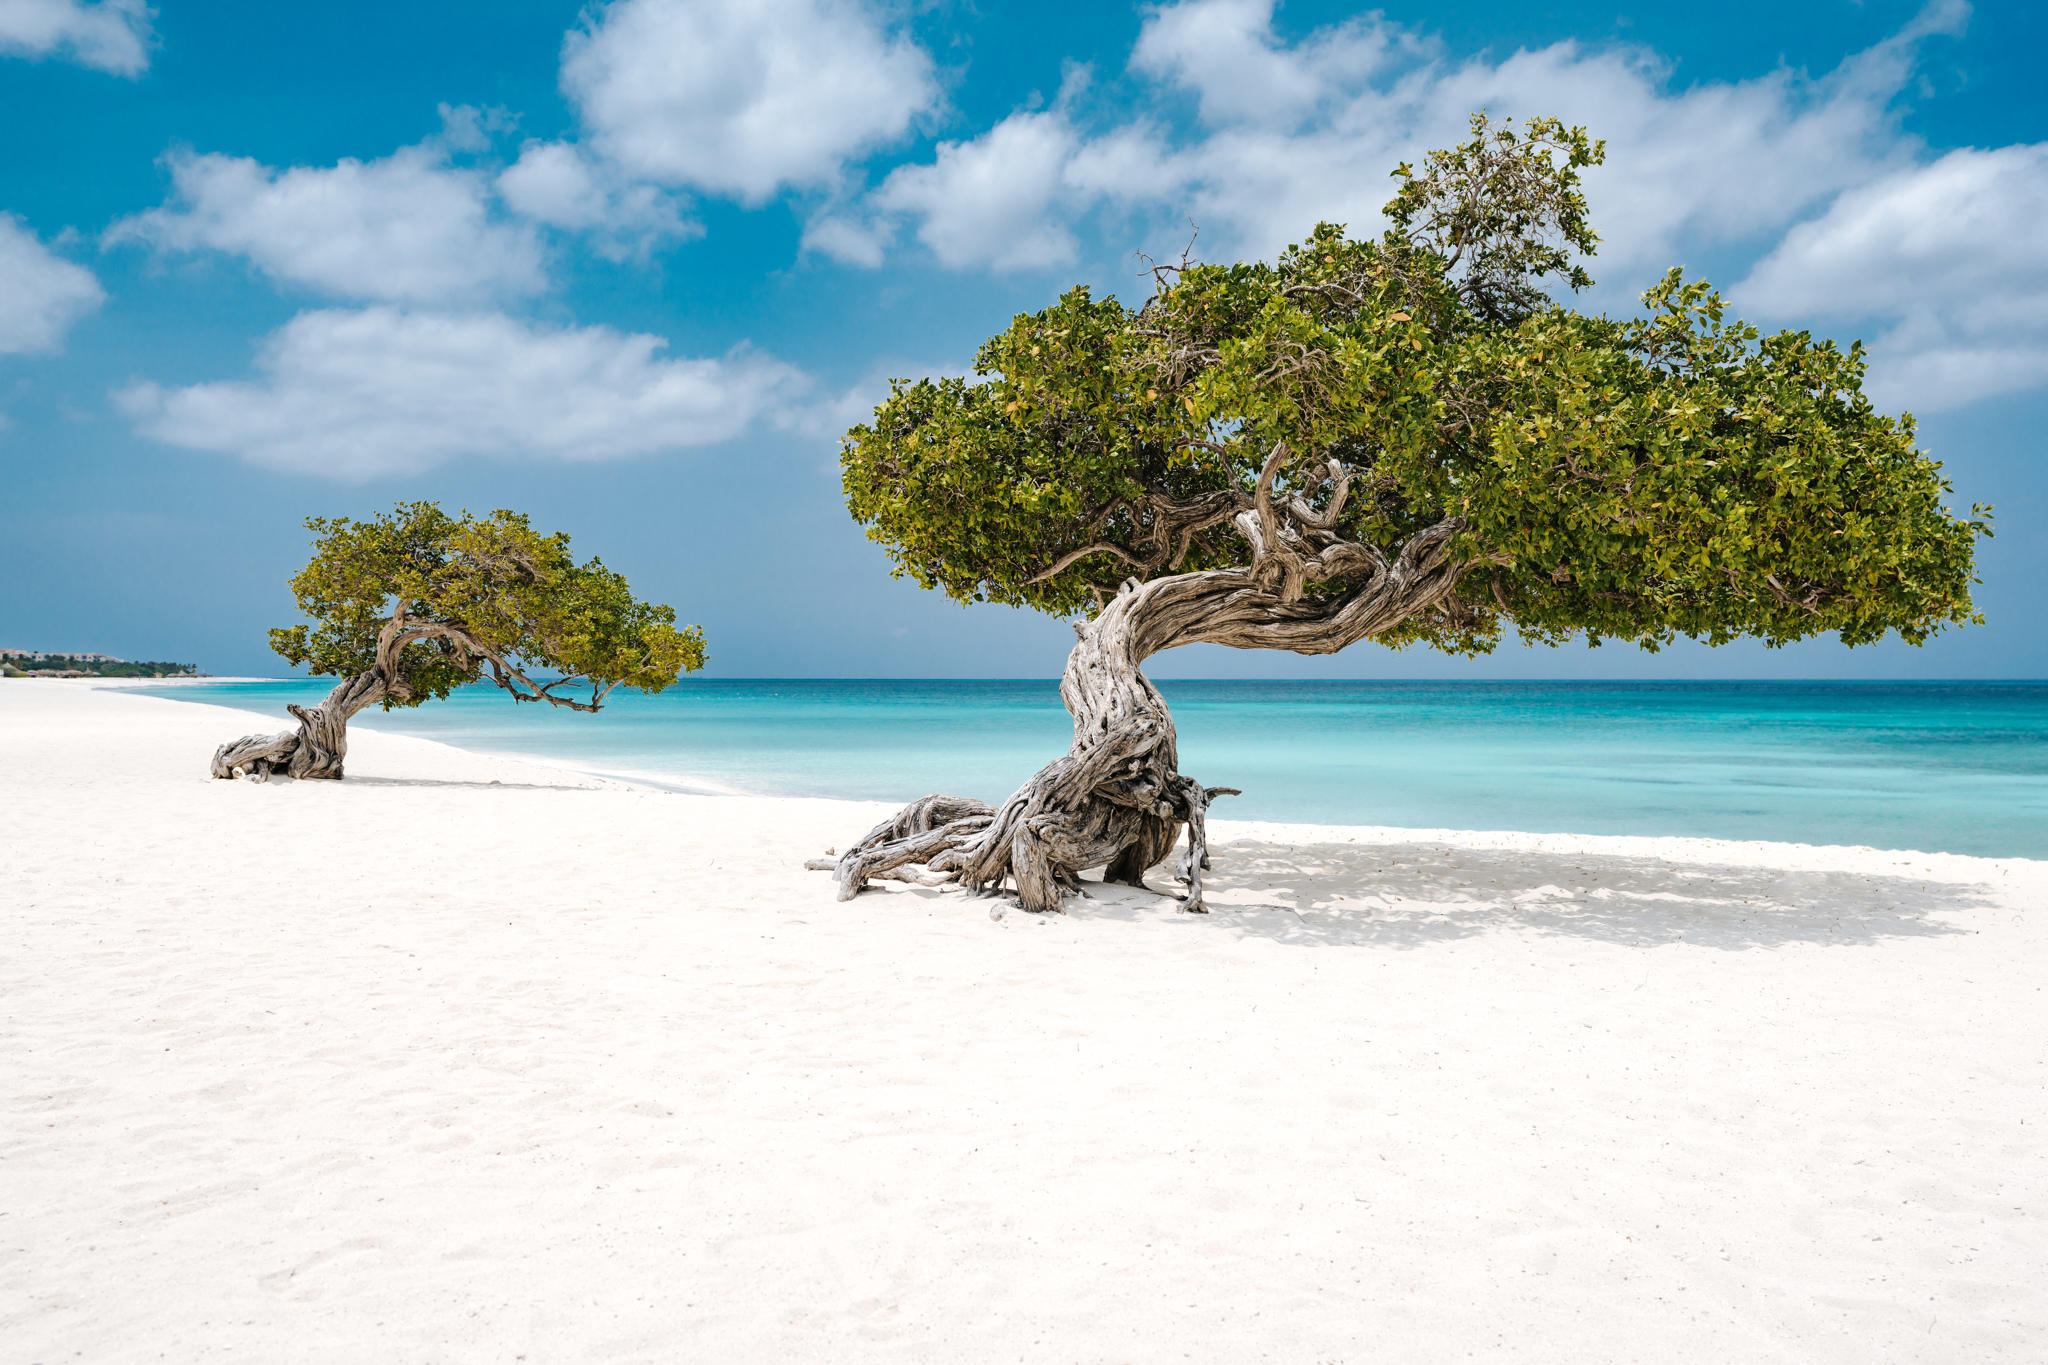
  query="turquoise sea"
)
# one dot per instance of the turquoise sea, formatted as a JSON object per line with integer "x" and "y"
{"x": 1951, "y": 767}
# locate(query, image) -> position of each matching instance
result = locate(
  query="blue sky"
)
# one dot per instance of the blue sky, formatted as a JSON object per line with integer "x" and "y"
{"x": 631, "y": 267}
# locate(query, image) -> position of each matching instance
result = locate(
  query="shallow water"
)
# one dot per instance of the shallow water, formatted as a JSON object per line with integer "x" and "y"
{"x": 1949, "y": 767}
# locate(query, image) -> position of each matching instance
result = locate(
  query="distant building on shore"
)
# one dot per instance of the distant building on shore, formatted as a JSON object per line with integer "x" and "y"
{"x": 47, "y": 663}
{"x": 40, "y": 655}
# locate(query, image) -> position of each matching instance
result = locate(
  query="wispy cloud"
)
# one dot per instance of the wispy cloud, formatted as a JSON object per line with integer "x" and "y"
{"x": 110, "y": 35}
{"x": 360, "y": 394}
{"x": 409, "y": 227}
{"x": 43, "y": 294}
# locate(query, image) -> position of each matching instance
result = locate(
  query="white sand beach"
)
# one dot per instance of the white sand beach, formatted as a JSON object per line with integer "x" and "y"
{"x": 465, "y": 1059}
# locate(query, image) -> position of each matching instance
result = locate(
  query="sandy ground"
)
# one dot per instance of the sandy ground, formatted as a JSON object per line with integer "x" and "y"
{"x": 465, "y": 1059}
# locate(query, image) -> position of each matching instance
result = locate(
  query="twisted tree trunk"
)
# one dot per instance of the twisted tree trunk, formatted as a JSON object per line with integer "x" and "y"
{"x": 1117, "y": 800}
{"x": 316, "y": 748}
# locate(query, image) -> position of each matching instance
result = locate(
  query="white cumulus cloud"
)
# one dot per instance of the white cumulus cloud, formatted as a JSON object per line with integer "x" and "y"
{"x": 41, "y": 293}
{"x": 359, "y": 394}
{"x": 111, "y": 35}
{"x": 1226, "y": 52}
{"x": 851, "y": 238}
{"x": 743, "y": 97}
{"x": 991, "y": 201}
{"x": 556, "y": 183}
{"x": 1290, "y": 133}
{"x": 1948, "y": 260}
{"x": 410, "y": 227}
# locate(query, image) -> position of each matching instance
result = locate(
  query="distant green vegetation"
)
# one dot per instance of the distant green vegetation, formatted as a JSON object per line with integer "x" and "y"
{"x": 16, "y": 663}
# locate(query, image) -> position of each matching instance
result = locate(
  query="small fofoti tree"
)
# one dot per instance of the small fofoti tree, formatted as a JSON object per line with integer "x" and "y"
{"x": 412, "y": 604}
{"x": 1401, "y": 439}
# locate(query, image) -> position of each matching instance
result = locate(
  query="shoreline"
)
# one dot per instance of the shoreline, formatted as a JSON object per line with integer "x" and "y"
{"x": 166, "y": 682}
{"x": 1698, "y": 848}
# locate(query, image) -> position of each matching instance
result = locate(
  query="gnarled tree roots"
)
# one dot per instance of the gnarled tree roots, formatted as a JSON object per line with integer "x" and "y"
{"x": 1116, "y": 804}
{"x": 315, "y": 749}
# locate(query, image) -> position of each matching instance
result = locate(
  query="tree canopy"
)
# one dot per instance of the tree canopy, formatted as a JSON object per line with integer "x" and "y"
{"x": 431, "y": 601}
{"x": 1678, "y": 472}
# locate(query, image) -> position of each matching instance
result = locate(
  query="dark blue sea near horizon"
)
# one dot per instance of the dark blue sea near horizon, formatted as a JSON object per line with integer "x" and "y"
{"x": 1942, "y": 767}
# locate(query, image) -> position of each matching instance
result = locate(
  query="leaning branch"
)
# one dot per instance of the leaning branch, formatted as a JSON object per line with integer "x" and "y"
{"x": 404, "y": 630}
{"x": 1073, "y": 556}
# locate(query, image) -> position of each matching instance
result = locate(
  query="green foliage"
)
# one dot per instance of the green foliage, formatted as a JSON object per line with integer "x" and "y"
{"x": 493, "y": 580}
{"x": 143, "y": 668}
{"x": 1503, "y": 211}
{"x": 1676, "y": 473}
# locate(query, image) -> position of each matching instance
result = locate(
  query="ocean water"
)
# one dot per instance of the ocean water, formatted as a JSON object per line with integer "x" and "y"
{"x": 1948, "y": 767}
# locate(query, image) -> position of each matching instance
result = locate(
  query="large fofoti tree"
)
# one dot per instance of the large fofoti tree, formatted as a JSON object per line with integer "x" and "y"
{"x": 1404, "y": 440}
{"x": 412, "y": 604}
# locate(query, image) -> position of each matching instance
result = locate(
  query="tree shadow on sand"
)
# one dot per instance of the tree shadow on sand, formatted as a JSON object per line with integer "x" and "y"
{"x": 1411, "y": 894}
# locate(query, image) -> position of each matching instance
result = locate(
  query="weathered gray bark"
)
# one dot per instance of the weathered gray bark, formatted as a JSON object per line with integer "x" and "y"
{"x": 1117, "y": 799}
{"x": 316, "y": 748}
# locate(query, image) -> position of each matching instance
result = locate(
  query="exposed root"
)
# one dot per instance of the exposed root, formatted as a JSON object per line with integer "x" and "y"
{"x": 922, "y": 832}
{"x": 1108, "y": 808}
{"x": 316, "y": 749}
{"x": 257, "y": 755}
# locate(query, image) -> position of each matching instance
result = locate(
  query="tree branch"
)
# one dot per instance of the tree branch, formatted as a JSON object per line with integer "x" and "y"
{"x": 1072, "y": 556}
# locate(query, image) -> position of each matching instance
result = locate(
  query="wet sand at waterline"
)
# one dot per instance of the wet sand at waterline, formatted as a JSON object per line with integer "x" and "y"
{"x": 471, "y": 1059}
